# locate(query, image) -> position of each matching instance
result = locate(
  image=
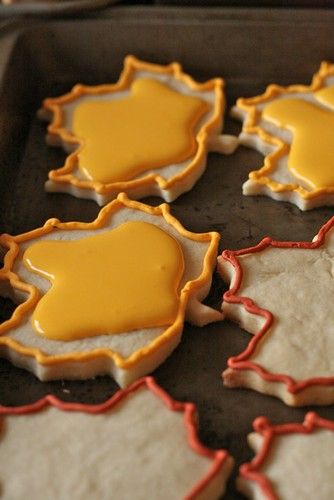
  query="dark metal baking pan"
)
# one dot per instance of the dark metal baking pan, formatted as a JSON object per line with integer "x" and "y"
{"x": 52, "y": 8}
{"x": 249, "y": 3}
{"x": 249, "y": 48}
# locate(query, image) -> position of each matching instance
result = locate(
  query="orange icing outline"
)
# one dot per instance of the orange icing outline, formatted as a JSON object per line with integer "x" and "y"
{"x": 250, "y": 126}
{"x": 251, "y": 470}
{"x": 12, "y": 243}
{"x": 219, "y": 457}
{"x": 131, "y": 65}
{"x": 241, "y": 361}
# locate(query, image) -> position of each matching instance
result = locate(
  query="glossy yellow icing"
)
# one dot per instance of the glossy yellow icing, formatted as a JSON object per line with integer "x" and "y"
{"x": 311, "y": 156}
{"x": 152, "y": 127}
{"x": 326, "y": 96}
{"x": 116, "y": 281}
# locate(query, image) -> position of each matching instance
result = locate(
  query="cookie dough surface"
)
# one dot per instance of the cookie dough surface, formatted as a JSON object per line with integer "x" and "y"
{"x": 139, "y": 448}
{"x": 297, "y": 287}
{"x": 282, "y": 292}
{"x": 291, "y": 461}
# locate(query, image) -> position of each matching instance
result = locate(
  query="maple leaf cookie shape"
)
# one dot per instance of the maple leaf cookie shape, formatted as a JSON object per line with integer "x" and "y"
{"x": 283, "y": 293}
{"x": 292, "y": 460}
{"x": 147, "y": 134}
{"x": 292, "y": 127}
{"x": 108, "y": 296}
{"x": 140, "y": 430}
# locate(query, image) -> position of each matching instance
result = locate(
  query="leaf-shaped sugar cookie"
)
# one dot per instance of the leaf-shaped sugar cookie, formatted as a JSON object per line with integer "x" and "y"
{"x": 106, "y": 297}
{"x": 292, "y": 460}
{"x": 292, "y": 127}
{"x": 147, "y": 134}
{"x": 283, "y": 293}
{"x": 139, "y": 444}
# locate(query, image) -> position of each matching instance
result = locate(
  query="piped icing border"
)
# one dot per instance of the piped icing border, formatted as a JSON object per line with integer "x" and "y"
{"x": 189, "y": 411}
{"x": 56, "y": 128}
{"x": 248, "y": 105}
{"x": 251, "y": 470}
{"x": 12, "y": 244}
{"x": 242, "y": 362}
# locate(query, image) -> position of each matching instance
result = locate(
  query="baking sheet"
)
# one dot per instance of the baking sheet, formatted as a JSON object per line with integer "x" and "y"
{"x": 51, "y": 8}
{"x": 249, "y": 48}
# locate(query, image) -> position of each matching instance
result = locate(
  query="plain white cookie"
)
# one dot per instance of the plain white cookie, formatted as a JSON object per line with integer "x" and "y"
{"x": 297, "y": 465}
{"x": 139, "y": 448}
{"x": 296, "y": 286}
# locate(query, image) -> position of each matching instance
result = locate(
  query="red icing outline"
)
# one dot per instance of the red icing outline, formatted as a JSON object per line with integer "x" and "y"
{"x": 263, "y": 426}
{"x": 190, "y": 421}
{"x": 241, "y": 361}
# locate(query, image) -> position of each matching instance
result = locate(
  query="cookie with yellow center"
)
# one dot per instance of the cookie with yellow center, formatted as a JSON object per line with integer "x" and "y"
{"x": 292, "y": 127}
{"x": 140, "y": 429}
{"x": 147, "y": 134}
{"x": 106, "y": 297}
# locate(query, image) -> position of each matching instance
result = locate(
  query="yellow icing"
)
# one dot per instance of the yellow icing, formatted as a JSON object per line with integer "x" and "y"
{"x": 152, "y": 127}
{"x": 326, "y": 96}
{"x": 116, "y": 281}
{"x": 311, "y": 156}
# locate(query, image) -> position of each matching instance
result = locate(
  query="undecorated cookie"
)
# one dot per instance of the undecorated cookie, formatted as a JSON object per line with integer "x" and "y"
{"x": 292, "y": 460}
{"x": 283, "y": 293}
{"x": 139, "y": 444}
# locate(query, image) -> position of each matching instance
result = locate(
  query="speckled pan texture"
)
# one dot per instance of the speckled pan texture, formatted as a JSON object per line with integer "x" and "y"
{"x": 249, "y": 49}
